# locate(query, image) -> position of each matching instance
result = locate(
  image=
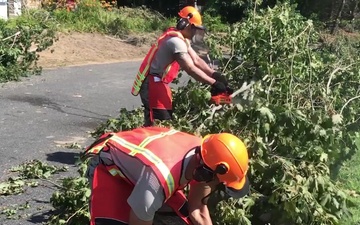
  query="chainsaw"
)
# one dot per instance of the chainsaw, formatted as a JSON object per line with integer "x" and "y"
{"x": 228, "y": 97}
{"x": 231, "y": 97}
{"x": 222, "y": 98}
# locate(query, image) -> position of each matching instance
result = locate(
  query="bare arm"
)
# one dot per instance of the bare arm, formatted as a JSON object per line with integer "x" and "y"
{"x": 199, "y": 62}
{"x": 199, "y": 213}
{"x": 187, "y": 64}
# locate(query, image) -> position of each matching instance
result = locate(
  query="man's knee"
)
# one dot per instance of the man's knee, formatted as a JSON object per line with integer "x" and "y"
{"x": 107, "y": 221}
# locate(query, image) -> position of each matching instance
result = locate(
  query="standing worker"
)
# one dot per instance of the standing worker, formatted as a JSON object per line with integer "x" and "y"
{"x": 135, "y": 173}
{"x": 162, "y": 63}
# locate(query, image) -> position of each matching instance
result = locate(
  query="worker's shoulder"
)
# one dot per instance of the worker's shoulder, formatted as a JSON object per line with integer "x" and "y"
{"x": 175, "y": 40}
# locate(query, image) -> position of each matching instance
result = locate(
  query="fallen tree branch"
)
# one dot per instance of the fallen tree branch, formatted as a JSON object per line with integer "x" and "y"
{"x": 332, "y": 75}
{"x": 346, "y": 103}
{"x": 74, "y": 214}
{"x": 237, "y": 67}
{"x": 243, "y": 88}
{"x": 213, "y": 109}
{"x": 14, "y": 35}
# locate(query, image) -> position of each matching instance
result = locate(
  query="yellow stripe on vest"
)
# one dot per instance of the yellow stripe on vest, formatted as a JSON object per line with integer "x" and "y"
{"x": 151, "y": 157}
{"x": 96, "y": 149}
{"x": 147, "y": 140}
{"x": 143, "y": 72}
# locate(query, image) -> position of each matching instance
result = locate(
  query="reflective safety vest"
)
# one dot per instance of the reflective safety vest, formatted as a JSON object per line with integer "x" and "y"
{"x": 160, "y": 148}
{"x": 171, "y": 70}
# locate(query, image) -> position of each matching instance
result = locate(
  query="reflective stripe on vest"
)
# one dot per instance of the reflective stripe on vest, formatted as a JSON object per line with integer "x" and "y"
{"x": 145, "y": 65}
{"x": 145, "y": 155}
{"x": 97, "y": 146}
{"x": 149, "y": 139}
{"x": 149, "y": 158}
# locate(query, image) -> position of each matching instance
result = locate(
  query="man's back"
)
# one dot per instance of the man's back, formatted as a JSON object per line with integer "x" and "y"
{"x": 165, "y": 54}
{"x": 148, "y": 193}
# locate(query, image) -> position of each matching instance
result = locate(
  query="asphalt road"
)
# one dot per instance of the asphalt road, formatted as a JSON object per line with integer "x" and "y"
{"x": 41, "y": 113}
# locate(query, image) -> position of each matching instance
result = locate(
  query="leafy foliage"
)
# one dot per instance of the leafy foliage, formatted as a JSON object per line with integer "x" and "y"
{"x": 12, "y": 213}
{"x": 298, "y": 115}
{"x": 90, "y": 16}
{"x": 125, "y": 121}
{"x": 349, "y": 178}
{"x": 23, "y": 37}
{"x": 20, "y": 42}
{"x": 28, "y": 174}
{"x": 296, "y": 118}
{"x": 71, "y": 200}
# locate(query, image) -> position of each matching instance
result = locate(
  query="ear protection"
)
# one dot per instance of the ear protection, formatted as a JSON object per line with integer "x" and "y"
{"x": 184, "y": 22}
{"x": 204, "y": 174}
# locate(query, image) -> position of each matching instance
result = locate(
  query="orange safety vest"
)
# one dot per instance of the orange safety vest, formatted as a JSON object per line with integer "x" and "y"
{"x": 162, "y": 149}
{"x": 171, "y": 70}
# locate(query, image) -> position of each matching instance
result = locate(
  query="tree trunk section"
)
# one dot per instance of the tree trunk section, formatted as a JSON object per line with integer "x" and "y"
{"x": 354, "y": 9}
{"x": 338, "y": 16}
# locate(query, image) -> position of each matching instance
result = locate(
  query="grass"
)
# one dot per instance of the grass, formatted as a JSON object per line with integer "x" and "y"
{"x": 90, "y": 16}
{"x": 349, "y": 176}
{"x": 94, "y": 18}
{"x": 116, "y": 22}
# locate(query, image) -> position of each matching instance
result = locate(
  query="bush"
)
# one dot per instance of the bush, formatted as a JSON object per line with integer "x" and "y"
{"x": 23, "y": 37}
{"x": 91, "y": 16}
{"x": 298, "y": 118}
{"x": 297, "y": 115}
{"x": 20, "y": 41}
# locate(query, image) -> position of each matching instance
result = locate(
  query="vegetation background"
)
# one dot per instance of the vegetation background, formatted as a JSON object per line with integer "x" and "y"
{"x": 296, "y": 65}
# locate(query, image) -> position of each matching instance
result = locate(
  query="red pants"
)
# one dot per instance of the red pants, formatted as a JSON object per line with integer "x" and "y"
{"x": 108, "y": 201}
{"x": 160, "y": 95}
{"x": 109, "y": 198}
{"x": 157, "y": 100}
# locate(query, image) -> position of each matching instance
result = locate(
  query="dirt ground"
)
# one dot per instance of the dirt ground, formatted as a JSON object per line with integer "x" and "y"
{"x": 92, "y": 48}
{"x": 88, "y": 48}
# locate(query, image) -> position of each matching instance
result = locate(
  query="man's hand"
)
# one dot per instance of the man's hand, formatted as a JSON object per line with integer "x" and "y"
{"x": 198, "y": 196}
{"x": 218, "y": 88}
{"x": 219, "y": 77}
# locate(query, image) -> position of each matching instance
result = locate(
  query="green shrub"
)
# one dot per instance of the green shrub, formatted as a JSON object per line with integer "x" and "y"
{"x": 214, "y": 23}
{"x": 94, "y": 18}
{"x": 297, "y": 114}
{"x": 20, "y": 41}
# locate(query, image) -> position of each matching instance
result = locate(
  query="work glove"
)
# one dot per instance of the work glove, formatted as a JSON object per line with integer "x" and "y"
{"x": 219, "y": 77}
{"x": 229, "y": 90}
{"x": 218, "y": 88}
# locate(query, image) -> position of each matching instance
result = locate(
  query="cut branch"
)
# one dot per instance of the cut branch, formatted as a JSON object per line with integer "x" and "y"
{"x": 14, "y": 35}
{"x": 333, "y": 74}
{"x": 351, "y": 99}
{"x": 243, "y": 88}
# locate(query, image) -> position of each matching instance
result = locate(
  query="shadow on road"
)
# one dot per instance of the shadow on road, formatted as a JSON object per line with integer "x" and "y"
{"x": 48, "y": 103}
{"x": 40, "y": 218}
{"x": 63, "y": 157}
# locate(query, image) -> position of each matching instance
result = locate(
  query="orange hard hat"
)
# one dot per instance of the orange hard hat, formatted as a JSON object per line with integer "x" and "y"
{"x": 193, "y": 15}
{"x": 227, "y": 156}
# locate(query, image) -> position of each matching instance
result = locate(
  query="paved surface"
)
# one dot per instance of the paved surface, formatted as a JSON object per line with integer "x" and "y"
{"x": 60, "y": 106}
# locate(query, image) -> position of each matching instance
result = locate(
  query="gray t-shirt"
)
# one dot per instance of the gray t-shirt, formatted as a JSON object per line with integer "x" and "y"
{"x": 147, "y": 196}
{"x": 165, "y": 54}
